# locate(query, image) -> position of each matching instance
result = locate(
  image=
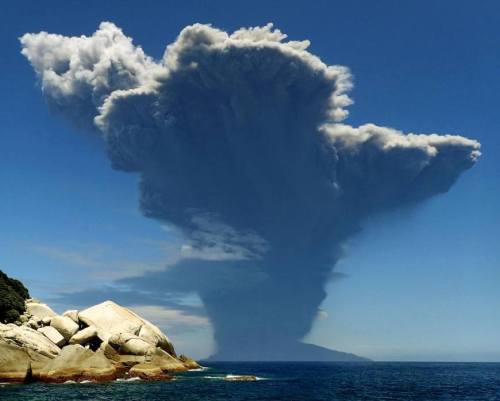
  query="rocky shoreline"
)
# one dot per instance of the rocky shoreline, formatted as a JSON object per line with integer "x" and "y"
{"x": 102, "y": 343}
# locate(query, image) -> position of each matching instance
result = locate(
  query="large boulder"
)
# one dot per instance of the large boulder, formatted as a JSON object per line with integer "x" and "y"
{"x": 72, "y": 314}
{"x": 78, "y": 363}
{"x": 19, "y": 364}
{"x": 167, "y": 362}
{"x": 148, "y": 371}
{"x": 28, "y": 338}
{"x": 53, "y": 335}
{"x": 38, "y": 362}
{"x": 152, "y": 334}
{"x": 65, "y": 326}
{"x": 14, "y": 363}
{"x": 84, "y": 336}
{"x": 159, "y": 358}
{"x": 188, "y": 362}
{"x": 39, "y": 310}
{"x": 110, "y": 318}
{"x": 126, "y": 343}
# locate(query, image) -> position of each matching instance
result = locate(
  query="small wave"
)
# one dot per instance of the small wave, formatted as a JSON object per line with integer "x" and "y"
{"x": 240, "y": 376}
{"x": 231, "y": 377}
{"x": 129, "y": 379}
{"x": 86, "y": 381}
{"x": 214, "y": 377}
{"x": 70, "y": 382}
{"x": 200, "y": 369}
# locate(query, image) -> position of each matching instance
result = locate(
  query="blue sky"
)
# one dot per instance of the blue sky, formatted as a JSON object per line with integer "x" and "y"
{"x": 419, "y": 284}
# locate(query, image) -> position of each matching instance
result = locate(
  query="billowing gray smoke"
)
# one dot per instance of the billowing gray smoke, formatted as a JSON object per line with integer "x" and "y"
{"x": 238, "y": 144}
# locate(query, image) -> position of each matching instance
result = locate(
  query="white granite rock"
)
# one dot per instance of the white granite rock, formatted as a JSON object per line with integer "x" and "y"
{"x": 28, "y": 338}
{"x": 53, "y": 335}
{"x": 39, "y": 310}
{"x": 14, "y": 363}
{"x": 77, "y": 363}
{"x": 65, "y": 326}
{"x": 127, "y": 343}
{"x": 84, "y": 336}
{"x": 72, "y": 314}
{"x": 110, "y": 318}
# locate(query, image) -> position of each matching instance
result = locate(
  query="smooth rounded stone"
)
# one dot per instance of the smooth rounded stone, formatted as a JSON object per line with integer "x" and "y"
{"x": 14, "y": 363}
{"x": 131, "y": 344}
{"x": 154, "y": 335}
{"x": 72, "y": 314}
{"x": 110, "y": 318}
{"x": 122, "y": 362}
{"x": 137, "y": 346}
{"x": 119, "y": 339}
{"x": 84, "y": 336}
{"x": 148, "y": 371}
{"x": 53, "y": 335}
{"x": 78, "y": 364}
{"x": 46, "y": 320}
{"x": 167, "y": 362}
{"x": 28, "y": 338}
{"x": 188, "y": 362}
{"x": 65, "y": 326}
{"x": 39, "y": 310}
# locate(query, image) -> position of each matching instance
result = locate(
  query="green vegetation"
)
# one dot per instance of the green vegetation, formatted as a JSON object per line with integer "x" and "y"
{"x": 12, "y": 296}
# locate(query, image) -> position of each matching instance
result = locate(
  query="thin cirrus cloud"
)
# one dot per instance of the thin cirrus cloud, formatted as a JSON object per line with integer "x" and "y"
{"x": 97, "y": 262}
{"x": 238, "y": 141}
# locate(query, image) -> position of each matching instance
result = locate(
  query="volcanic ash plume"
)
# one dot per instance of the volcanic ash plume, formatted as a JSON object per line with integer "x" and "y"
{"x": 238, "y": 142}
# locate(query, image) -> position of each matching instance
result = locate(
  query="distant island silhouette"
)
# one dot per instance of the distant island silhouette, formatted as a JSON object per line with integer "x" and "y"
{"x": 290, "y": 352}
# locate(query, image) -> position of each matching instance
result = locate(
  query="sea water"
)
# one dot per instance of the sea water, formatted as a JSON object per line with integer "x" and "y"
{"x": 291, "y": 382}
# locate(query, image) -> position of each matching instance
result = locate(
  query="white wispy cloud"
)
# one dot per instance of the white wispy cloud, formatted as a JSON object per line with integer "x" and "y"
{"x": 97, "y": 262}
{"x": 67, "y": 256}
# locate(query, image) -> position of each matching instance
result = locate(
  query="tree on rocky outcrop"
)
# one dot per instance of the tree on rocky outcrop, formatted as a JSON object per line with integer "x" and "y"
{"x": 12, "y": 296}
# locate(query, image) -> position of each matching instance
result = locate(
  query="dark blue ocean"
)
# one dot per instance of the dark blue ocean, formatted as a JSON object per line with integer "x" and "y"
{"x": 291, "y": 381}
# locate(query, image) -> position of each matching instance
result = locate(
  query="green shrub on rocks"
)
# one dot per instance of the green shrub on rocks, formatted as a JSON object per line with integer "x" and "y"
{"x": 12, "y": 296}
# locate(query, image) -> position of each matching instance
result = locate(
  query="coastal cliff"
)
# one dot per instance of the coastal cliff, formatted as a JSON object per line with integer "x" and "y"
{"x": 101, "y": 343}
